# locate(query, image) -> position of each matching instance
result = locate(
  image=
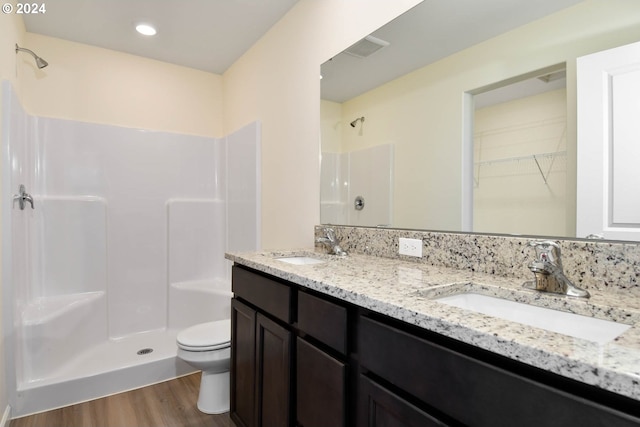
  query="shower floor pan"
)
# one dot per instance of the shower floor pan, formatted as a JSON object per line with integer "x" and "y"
{"x": 61, "y": 371}
{"x": 108, "y": 368}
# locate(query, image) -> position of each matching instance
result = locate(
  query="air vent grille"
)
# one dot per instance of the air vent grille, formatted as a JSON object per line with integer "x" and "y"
{"x": 366, "y": 47}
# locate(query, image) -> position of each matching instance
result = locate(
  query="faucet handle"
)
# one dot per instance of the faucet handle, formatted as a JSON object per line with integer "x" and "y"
{"x": 330, "y": 233}
{"x": 547, "y": 250}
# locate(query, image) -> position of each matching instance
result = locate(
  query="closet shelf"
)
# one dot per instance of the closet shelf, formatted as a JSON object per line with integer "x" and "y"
{"x": 543, "y": 163}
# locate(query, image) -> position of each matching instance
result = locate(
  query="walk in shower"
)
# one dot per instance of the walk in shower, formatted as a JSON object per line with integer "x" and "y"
{"x": 123, "y": 247}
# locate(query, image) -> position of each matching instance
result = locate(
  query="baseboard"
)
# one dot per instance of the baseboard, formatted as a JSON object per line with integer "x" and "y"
{"x": 6, "y": 417}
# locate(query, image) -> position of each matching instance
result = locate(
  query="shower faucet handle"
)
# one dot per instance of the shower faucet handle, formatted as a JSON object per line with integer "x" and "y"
{"x": 22, "y": 198}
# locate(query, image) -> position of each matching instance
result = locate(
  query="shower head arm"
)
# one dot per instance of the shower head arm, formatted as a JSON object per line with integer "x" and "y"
{"x": 23, "y": 49}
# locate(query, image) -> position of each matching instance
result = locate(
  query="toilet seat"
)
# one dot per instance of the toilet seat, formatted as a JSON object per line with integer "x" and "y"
{"x": 206, "y": 336}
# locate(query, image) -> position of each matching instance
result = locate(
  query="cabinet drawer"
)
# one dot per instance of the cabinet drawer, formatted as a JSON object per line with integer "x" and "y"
{"x": 271, "y": 296}
{"x": 323, "y": 320}
{"x": 471, "y": 391}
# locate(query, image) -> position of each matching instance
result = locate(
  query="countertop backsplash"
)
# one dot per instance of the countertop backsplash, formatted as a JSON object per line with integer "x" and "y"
{"x": 589, "y": 264}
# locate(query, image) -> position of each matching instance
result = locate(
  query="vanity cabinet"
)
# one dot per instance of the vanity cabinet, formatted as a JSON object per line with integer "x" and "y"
{"x": 300, "y": 358}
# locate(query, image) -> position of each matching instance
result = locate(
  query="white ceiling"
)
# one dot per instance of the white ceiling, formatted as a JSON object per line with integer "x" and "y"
{"x": 432, "y": 30}
{"x": 208, "y": 35}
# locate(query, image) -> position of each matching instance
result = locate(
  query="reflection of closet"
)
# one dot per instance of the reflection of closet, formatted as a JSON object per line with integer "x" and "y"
{"x": 520, "y": 164}
{"x": 535, "y": 147}
{"x": 542, "y": 163}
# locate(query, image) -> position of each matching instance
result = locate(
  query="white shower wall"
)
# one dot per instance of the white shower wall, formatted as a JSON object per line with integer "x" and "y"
{"x": 111, "y": 184}
{"x": 127, "y": 237}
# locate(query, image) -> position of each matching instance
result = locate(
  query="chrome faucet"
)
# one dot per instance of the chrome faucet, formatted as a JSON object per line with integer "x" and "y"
{"x": 331, "y": 241}
{"x": 22, "y": 198}
{"x": 548, "y": 271}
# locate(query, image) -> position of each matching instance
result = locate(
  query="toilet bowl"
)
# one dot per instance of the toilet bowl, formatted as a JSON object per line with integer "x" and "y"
{"x": 207, "y": 347}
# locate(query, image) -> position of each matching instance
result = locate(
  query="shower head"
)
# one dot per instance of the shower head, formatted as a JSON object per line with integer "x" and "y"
{"x": 41, "y": 63}
{"x": 353, "y": 123}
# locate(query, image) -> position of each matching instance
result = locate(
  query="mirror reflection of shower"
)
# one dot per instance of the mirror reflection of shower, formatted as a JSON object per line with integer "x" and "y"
{"x": 348, "y": 178}
{"x": 41, "y": 63}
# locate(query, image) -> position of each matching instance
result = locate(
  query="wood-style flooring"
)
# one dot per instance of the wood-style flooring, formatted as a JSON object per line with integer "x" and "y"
{"x": 171, "y": 404}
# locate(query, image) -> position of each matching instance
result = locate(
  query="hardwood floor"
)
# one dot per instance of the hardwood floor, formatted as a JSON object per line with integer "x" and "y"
{"x": 171, "y": 403}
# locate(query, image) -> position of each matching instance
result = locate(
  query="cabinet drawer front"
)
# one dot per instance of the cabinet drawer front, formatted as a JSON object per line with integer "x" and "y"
{"x": 269, "y": 295}
{"x": 323, "y": 320}
{"x": 472, "y": 391}
{"x": 321, "y": 387}
{"x": 380, "y": 407}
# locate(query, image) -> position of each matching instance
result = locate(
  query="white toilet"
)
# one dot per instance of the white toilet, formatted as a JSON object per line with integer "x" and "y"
{"x": 207, "y": 346}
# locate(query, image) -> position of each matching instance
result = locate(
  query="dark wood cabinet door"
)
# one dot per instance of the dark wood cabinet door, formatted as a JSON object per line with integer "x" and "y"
{"x": 243, "y": 364}
{"x": 273, "y": 351}
{"x": 321, "y": 382}
{"x": 381, "y": 408}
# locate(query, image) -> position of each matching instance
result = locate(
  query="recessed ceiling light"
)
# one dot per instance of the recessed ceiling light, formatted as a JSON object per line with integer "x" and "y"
{"x": 146, "y": 29}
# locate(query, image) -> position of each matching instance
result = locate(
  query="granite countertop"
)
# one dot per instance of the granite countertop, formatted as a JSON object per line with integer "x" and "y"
{"x": 404, "y": 290}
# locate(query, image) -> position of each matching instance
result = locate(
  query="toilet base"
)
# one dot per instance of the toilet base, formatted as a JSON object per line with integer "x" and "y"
{"x": 214, "y": 393}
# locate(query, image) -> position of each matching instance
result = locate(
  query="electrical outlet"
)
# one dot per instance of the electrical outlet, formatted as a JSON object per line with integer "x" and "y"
{"x": 410, "y": 247}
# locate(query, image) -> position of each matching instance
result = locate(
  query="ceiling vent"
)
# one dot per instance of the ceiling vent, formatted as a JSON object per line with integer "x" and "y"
{"x": 366, "y": 47}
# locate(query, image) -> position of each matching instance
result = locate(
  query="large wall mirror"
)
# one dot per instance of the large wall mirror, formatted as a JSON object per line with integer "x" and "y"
{"x": 461, "y": 116}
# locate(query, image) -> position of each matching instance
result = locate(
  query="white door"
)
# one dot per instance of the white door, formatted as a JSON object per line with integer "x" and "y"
{"x": 608, "y": 193}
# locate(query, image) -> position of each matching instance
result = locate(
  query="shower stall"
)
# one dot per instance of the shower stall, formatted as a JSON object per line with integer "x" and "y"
{"x": 122, "y": 246}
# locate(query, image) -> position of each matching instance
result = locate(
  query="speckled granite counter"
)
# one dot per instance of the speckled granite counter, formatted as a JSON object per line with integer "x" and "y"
{"x": 402, "y": 290}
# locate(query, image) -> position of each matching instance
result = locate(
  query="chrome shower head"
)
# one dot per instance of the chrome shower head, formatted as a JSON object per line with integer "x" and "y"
{"x": 353, "y": 123}
{"x": 41, "y": 63}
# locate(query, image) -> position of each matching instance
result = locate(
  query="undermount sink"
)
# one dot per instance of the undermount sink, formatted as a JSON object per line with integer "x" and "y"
{"x": 300, "y": 260}
{"x": 575, "y": 325}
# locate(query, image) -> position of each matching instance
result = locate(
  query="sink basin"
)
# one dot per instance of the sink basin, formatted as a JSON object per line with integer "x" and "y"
{"x": 301, "y": 260}
{"x": 574, "y": 325}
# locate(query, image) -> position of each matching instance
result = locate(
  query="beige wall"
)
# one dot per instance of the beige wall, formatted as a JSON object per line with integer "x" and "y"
{"x": 98, "y": 85}
{"x": 278, "y": 82}
{"x": 422, "y": 112}
{"x": 331, "y": 126}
